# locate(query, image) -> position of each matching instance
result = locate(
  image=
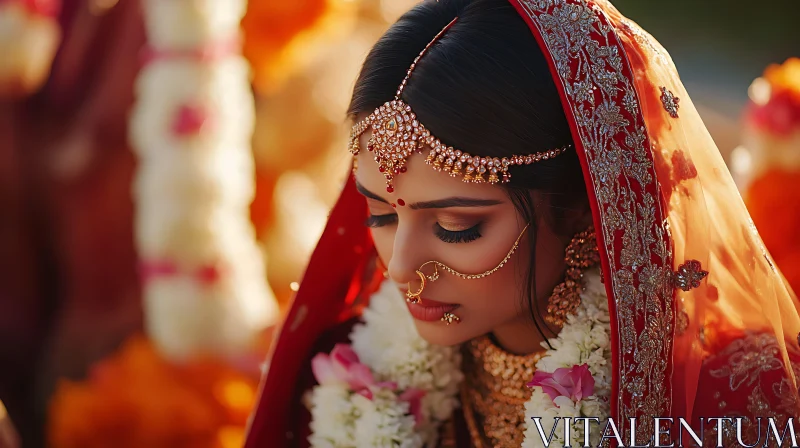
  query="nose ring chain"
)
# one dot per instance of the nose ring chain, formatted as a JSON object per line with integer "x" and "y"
{"x": 414, "y": 297}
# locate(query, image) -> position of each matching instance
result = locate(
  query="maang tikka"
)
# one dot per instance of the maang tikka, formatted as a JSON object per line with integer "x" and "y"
{"x": 582, "y": 253}
{"x": 397, "y": 134}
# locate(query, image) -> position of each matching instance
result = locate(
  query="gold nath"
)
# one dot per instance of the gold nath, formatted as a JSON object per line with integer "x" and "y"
{"x": 396, "y": 134}
{"x": 414, "y": 297}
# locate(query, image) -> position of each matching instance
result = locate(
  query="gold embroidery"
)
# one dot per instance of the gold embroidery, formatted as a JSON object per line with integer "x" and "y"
{"x": 748, "y": 357}
{"x": 757, "y": 403}
{"x": 689, "y": 275}
{"x": 681, "y": 321}
{"x": 788, "y": 397}
{"x": 644, "y": 38}
{"x": 592, "y": 66}
{"x": 796, "y": 368}
{"x": 728, "y": 431}
{"x": 670, "y": 101}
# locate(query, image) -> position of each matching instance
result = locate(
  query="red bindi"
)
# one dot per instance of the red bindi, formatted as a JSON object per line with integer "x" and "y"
{"x": 401, "y": 202}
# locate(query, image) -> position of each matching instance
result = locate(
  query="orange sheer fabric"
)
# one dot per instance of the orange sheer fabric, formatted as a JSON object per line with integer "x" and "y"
{"x": 744, "y": 313}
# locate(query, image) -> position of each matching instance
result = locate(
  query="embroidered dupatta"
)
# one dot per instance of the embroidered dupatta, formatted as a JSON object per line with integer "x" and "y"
{"x": 665, "y": 207}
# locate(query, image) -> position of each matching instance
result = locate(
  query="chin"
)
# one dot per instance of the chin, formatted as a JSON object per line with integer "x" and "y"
{"x": 439, "y": 333}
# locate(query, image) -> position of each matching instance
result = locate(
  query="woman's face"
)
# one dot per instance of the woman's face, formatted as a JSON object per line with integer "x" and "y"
{"x": 468, "y": 227}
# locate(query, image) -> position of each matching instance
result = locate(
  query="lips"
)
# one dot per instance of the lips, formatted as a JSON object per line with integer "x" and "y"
{"x": 430, "y": 303}
{"x": 428, "y": 310}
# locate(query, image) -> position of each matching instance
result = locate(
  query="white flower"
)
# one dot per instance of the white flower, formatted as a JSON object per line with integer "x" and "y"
{"x": 384, "y": 422}
{"x": 191, "y": 129}
{"x": 585, "y": 338}
{"x": 540, "y": 406}
{"x": 386, "y": 310}
{"x": 333, "y": 416}
{"x": 388, "y": 343}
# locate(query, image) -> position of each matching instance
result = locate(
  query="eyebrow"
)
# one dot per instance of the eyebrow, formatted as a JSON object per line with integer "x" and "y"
{"x": 438, "y": 203}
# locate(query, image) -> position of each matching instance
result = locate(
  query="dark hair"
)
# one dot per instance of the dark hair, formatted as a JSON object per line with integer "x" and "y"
{"x": 484, "y": 87}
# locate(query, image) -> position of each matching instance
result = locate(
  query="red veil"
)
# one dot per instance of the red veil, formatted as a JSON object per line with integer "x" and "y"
{"x": 661, "y": 198}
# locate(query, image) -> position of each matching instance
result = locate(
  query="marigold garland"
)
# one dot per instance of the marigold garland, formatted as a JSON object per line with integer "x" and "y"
{"x": 271, "y": 25}
{"x": 136, "y": 398}
{"x": 772, "y": 135}
{"x": 773, "y": 200}
{"x": 775, "y": 106}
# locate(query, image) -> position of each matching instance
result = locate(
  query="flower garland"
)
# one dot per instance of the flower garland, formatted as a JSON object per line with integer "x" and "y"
{"x": 767, "y": 164}
{"x": 392, "y": 388}
{"x": 136, "y": 397}
{"x": 574, "y": 378}
{"x": 204, "y": 282}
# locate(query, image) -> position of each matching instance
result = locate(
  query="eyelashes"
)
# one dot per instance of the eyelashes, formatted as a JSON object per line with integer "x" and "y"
{"x": 459, "y": 236}
{"x": 376, "y": 221}
{"x": 447, "y": 236}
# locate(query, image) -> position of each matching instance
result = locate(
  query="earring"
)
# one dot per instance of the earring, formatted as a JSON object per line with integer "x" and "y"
{"x": 382, "y": 267}
{"x": 581, "y": 254}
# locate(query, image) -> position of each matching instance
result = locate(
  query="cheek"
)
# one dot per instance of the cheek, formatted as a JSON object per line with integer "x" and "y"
{"x": 384, "y": 242}
{"x": 500, "y": 295}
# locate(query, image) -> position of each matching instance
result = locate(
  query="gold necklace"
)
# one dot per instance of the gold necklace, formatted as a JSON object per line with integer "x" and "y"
{"x": 495, "y": 393}
{"x": 469, "y": 415}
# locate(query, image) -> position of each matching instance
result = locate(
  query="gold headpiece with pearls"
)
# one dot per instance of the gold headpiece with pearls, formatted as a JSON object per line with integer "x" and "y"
{"x": 396, "y": 134}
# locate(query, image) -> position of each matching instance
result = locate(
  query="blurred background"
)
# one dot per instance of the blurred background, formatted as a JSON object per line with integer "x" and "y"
{"x": 163, "y": 182}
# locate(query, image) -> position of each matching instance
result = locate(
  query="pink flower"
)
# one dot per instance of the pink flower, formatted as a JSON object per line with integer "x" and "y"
{"x": 575, "y": 382}
{"x": 414, "y": 399}
{"x": 780, "y": 115}
{"x": 189, "y": 120}
{"x": 343, "y": 367}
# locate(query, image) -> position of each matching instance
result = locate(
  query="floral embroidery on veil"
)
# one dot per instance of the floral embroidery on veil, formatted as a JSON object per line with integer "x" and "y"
{"x": 582, "y": 345}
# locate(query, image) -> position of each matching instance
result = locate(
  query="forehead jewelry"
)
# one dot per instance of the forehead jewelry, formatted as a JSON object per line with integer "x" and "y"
{"x": 413, "y": 297}
{"x": 397, "y": 134}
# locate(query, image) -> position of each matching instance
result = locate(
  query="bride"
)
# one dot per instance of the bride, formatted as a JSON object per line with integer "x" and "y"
{"x": 550, "y": 233}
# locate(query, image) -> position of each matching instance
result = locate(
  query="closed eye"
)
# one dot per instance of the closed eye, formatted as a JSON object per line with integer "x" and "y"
{"x": 376, "y": 221}
{"x": 457, "y": 236}
{"x": 447, "y": 236}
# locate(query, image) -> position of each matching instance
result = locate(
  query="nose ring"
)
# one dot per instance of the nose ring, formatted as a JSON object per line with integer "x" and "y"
{"x": 413, "y": 297}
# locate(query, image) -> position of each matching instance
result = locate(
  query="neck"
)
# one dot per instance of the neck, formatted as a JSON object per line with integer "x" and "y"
{"x": 519, "y": 337}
